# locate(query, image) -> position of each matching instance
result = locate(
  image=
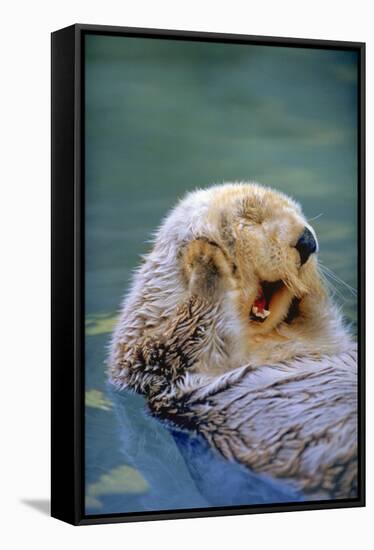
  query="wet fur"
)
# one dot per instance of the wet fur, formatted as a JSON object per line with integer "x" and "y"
{"x": 185, "y": 340}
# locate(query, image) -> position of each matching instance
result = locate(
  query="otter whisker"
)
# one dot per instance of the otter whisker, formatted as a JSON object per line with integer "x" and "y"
{"x": 337, "y": 279}
{"x": 332, "y": 288}
{"x": 315, "y": 217}
{"x": 331, "y": 283}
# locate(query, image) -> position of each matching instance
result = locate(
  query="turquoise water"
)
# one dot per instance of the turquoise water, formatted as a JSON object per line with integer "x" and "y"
{"x": 162, "y": 118}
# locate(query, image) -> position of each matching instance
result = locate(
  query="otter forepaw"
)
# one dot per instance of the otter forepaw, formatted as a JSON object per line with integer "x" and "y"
{"x": 206, "y": 269}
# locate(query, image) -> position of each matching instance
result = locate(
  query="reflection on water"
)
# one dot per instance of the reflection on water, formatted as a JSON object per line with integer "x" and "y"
{"x": 165, "y": 117}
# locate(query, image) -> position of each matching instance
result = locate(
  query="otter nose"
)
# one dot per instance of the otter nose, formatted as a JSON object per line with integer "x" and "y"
{"x": 306, "y": 245}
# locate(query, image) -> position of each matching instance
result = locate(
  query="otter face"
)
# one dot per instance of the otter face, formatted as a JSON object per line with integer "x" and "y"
{"x": 272, "y": 249}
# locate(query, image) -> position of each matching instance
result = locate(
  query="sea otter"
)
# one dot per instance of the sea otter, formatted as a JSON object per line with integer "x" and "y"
{"x": 228, "y": 330}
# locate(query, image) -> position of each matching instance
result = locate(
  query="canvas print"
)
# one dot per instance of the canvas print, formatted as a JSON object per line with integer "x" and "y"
{"x": 220, "y": 274}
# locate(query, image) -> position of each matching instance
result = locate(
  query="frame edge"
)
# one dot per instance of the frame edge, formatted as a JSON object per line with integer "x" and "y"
{"x": 63, "y": 317}
{"x": 66, "y": 487}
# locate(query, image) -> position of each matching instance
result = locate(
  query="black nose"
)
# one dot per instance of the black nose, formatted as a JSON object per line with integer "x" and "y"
{"x": 306, "y": 245}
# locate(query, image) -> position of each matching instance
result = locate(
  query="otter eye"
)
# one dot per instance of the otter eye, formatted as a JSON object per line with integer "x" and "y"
{"x": 246, "y": 225}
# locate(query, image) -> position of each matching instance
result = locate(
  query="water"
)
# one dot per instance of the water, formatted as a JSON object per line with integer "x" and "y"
{"x": 165, "y": 117}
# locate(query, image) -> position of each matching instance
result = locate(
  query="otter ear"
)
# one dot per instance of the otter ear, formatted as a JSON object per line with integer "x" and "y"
{"x": 205, "y": 268}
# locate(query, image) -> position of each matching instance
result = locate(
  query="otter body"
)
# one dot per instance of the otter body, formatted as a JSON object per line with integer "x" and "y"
{"x": 228, "y": 330}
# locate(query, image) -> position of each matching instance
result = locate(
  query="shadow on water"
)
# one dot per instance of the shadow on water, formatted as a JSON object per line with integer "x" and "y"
{"x": 149, "y": 447}
{"x": 226, "y": 483}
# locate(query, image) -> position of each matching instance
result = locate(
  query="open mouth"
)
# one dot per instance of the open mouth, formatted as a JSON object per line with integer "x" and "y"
{"x": 261, "y": 308}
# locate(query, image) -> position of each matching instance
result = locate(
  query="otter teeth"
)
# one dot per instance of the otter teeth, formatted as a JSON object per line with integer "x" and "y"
{"x": 262, "y": 314}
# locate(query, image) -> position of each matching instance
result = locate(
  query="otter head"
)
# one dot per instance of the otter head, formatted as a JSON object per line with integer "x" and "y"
{"x": 273, "y": 251}
{"x": 262, "y": 266}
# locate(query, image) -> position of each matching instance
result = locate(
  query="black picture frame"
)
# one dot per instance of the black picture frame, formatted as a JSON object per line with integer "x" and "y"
{"x": 68, "y": 202}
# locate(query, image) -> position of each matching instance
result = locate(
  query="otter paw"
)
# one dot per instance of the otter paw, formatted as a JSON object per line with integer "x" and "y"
{"x": 150, "y": 353}
{"x": 189, "y": 333}
{"x": 206, "y": 269}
